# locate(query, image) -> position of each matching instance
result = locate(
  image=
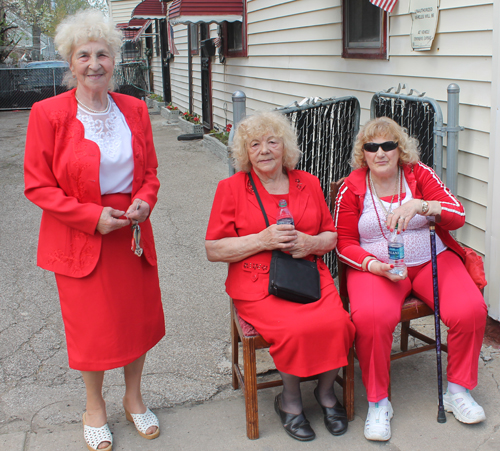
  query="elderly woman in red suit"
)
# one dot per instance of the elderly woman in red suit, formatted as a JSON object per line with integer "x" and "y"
{"x": 306, "y": 340}
{"x": 90, "y": 165}
{"x": 390, "y": 188}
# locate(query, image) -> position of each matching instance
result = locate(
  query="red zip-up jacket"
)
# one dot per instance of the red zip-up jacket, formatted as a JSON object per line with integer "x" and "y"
{"x": 424, "y": 184}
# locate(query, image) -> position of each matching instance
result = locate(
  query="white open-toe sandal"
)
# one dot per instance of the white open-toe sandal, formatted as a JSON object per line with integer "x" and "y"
{"x": 95, "y": 436}
{"x": 143, "y": 421}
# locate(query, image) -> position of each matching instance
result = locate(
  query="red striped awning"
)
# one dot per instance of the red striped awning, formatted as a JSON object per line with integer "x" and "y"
{"x": 150, "y": 9}
{"x": 203, "y": 11}
{"x": 133, "y": 30}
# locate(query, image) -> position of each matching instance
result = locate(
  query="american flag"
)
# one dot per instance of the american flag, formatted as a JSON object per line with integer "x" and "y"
{"x": 386, "y": 5}
{"x": 171, "y": 43}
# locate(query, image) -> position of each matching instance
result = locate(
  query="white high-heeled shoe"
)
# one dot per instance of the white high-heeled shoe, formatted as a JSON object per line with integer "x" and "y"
{"x": 143, "y": 421}
{"x": 95, "y": 436}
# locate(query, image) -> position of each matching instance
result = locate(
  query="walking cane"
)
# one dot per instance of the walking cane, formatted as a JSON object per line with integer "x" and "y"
{"x": 441, "y": 418}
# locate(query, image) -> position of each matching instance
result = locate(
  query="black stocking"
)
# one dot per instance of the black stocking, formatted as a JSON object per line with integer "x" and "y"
{"x": 325, "y": 391}
{"x": 291, "y": 399}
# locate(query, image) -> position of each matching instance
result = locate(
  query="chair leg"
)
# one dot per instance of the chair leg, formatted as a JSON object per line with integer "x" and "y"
{"x": 234, "y": 350}
{"x": 251, "y": 402}
{"x": 405, "y": 326}
{"x": 348, "y": 388}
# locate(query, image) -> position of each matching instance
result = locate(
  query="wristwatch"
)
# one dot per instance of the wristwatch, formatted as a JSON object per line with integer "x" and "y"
{"x": 425, "y": 207}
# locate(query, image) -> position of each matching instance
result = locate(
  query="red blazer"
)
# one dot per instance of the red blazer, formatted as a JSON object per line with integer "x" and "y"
{"x": 61, "y": 172}
{"x": 236, "y": 212}
{"x": 424, "y": 184}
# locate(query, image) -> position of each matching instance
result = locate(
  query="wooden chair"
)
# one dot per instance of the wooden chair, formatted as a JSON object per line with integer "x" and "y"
{"x": 243, "y": 332}
{"x": 413, "y": 307}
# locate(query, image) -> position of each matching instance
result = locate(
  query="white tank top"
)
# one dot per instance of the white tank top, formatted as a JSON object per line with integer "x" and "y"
{"x": 416, "y": 236}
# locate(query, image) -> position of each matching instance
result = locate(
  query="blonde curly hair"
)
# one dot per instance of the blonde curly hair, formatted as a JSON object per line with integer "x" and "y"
{"x": 261, "y": 124}
{"x": 85, "y": 26}
{"x": 408, "y": 147}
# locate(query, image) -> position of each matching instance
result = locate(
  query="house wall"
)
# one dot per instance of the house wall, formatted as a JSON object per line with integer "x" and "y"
{"x": 120, "y": 10}
{"x": 493, "y": 214}
{"x": 179, "y": 73}
{"x": 294, "y": 51}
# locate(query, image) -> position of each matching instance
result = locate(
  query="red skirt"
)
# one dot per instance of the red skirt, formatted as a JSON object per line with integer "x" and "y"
{"x": 114, "y": 315}
{"x": 306, "y": 339}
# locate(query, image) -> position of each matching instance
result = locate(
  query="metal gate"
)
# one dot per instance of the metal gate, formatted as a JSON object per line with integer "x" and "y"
{"x": 132, "y": 79}
{"x": 420, "y": 115}
{"x": 326, "y": 131}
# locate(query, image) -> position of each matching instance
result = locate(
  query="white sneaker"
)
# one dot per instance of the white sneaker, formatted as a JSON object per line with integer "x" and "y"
{"x": 463, "y": 407}
{"x": 378, "y": 423}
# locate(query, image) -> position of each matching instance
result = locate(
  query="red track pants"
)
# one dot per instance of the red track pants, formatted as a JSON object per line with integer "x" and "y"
{"x": 376, "y": 304}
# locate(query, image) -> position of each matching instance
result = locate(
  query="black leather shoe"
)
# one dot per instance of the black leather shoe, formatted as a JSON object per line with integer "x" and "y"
{"x": 335, "y": 417}
{"x": 296, "y": 426}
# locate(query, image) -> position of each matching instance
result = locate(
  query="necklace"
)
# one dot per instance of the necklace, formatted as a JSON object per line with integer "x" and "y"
{"x": 397, "y": 189}
{"x": 371, "y": 186}
{"x": 91, "y": 110}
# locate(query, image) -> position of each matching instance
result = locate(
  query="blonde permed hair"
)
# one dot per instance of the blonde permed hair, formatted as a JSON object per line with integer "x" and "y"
{"x": 257, "y": 126}
{"x": 408, "y": 146}
{"x": 85, "y": 26}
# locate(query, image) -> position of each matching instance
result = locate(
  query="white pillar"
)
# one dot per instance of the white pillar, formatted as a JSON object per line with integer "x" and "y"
{"x": 492, "y": 291}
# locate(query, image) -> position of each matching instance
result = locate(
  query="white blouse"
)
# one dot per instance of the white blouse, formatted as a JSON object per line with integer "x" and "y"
{"x": 416, "y": 236}
{"x": 109, "y": 130}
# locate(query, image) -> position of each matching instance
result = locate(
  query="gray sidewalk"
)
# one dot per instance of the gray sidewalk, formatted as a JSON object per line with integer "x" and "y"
{"x": 187, "y": 376}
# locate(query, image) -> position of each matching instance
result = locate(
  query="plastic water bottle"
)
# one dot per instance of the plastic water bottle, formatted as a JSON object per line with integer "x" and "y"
{"x": 396, "y": 250}
{"x": 284, "y": 215}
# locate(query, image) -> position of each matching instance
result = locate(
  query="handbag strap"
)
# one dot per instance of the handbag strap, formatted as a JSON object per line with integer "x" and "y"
{"x": 258, "y": 198}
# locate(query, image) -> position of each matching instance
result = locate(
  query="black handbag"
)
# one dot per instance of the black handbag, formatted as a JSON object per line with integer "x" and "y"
{"x": 292, "y": 279}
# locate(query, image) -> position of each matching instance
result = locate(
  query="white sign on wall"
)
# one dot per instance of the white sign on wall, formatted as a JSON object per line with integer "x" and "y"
{"x": 424, "y": 15}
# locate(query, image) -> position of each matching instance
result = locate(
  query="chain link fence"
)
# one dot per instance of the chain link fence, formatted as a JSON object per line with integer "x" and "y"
{"x": 326, "y": 131}
{"x": 21, "y": 88}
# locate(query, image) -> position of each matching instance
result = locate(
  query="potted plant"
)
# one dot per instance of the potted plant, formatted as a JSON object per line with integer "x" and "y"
{"x": 190, "y": 123}
{"x": 170, "y": 112}
{"x": 157, "y": 101}
{"x": 217, "y": 142}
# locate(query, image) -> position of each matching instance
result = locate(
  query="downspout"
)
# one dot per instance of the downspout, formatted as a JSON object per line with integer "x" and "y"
{"x": 190, "y": 71}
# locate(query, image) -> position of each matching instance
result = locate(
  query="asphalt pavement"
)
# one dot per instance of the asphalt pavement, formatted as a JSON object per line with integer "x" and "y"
{"x": 187, "y": 379}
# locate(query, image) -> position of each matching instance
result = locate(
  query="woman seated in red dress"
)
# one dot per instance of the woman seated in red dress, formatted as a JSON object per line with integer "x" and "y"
{"x": 90, "y": 165}
{"x": 306, "y": 339}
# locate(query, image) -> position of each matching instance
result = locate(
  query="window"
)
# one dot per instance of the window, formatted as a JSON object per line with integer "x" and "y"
{"x": 194, "y": 40}
{"x": 365, "y": 30}
{"x": 234, "y": 36}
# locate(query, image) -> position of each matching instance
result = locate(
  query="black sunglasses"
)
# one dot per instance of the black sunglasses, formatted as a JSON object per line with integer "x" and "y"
{"x": 373, "y": 147}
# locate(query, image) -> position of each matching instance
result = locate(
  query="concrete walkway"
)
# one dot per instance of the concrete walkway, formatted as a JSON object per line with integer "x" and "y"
{"x": 187, "y": 376}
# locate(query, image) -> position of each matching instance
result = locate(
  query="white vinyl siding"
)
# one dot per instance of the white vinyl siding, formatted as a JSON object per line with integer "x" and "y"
{"x": 121, "y": 10}
{"x": 294, "y": 51}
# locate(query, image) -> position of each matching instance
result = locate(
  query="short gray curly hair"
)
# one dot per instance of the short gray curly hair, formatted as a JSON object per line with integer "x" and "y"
{"x": 84, "y": 26}
{"x": 258, "y": 125}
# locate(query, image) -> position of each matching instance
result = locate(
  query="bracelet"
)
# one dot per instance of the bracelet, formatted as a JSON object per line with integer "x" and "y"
{"x": 425, "y": 207}
{"x": 369, "y": 263}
